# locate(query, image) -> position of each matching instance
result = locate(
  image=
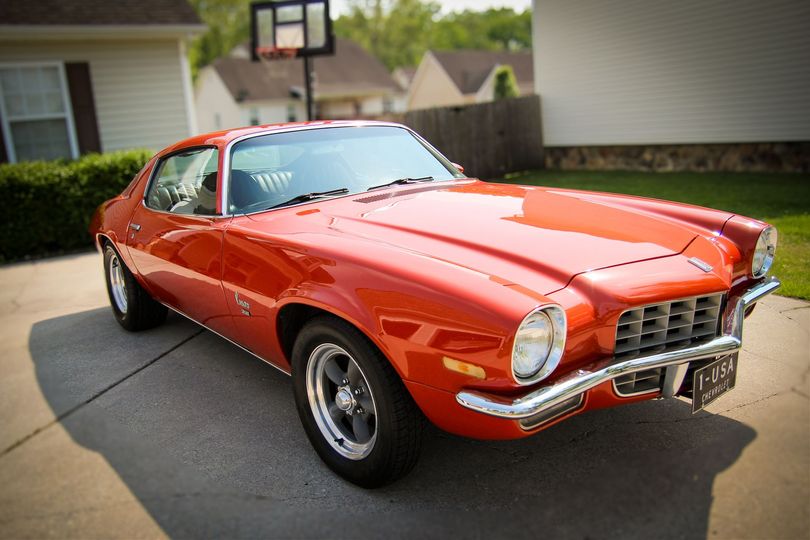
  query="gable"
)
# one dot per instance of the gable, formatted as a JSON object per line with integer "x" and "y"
{"x": 432, "y": 87}
{"x": 469, "y": 69}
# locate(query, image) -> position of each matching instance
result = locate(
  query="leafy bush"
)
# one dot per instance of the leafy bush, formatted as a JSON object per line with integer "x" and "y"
{"x": 47, "y": 205}
{"x": 505, "y": 83}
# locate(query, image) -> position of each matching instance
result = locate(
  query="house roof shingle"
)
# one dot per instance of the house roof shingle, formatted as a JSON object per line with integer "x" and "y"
{"x": 97, "y": 12}
{"x": 350, "y": 71}
{"x": 469, "y": 68}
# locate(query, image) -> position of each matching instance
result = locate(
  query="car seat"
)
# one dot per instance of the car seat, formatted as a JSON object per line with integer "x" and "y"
{"x": 245, "y": 191}
{"x": 207, "y": 198}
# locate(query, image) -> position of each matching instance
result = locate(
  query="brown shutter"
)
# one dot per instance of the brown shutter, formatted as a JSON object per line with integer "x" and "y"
{"x": 3, "y": 155}
{"x": 84, "y": 108}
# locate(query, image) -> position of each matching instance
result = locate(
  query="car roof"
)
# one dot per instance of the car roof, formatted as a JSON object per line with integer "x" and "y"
{"x": 222, "y": 138}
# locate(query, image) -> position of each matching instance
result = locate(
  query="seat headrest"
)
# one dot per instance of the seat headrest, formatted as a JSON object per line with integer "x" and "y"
{"x": 207, "y": 198}
{"x": 245, "y": 190}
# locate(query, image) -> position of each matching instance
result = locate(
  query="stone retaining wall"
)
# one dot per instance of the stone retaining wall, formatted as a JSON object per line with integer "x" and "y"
{"x": 743, "y": 157}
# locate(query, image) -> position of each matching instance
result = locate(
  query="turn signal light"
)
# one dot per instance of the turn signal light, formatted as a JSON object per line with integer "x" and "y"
{"x": 464, "y": 368}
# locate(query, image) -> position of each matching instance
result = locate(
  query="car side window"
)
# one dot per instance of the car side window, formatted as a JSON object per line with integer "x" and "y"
{"x": 186, "y": 183}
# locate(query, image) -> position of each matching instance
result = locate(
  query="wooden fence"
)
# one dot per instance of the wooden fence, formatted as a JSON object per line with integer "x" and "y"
{"x": 488, "y": 139}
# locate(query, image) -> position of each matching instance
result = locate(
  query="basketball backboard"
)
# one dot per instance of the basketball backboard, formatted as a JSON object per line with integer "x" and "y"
{"x": 291, "y": 29}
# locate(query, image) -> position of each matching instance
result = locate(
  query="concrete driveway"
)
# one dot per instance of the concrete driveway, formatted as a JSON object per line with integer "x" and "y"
{"x": 176, "y": 432}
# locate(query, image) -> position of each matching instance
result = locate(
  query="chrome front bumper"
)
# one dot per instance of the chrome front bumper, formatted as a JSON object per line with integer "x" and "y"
{"x": 572, "y": 386}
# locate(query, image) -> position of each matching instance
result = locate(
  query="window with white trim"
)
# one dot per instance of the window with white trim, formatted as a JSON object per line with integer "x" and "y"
{"x": 35, "y": 107}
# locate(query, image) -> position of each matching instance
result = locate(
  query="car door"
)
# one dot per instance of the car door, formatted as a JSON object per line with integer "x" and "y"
{"x": 175, "y": 237}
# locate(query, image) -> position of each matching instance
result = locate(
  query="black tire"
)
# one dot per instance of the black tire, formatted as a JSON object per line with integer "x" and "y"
{"x": 398, "y": 423}
{"x": 138, "y": 311}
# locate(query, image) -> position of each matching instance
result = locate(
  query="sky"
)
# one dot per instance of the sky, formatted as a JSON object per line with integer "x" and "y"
{"x": 338, "y": 7}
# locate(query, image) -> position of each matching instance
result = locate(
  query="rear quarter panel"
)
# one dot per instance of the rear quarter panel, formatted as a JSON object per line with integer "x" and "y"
{"x": 111, "y": 219}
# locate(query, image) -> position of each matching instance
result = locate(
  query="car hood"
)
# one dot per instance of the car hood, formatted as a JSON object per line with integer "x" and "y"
{"x": 538, "y": 238}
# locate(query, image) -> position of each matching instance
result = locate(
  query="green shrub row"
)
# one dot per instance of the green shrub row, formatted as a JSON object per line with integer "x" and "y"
{"x": 47, "y": 206}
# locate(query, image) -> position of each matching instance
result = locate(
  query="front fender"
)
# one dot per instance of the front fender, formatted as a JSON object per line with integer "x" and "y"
{"x": 417, "y": 310}
{"x": 416, "y": 327}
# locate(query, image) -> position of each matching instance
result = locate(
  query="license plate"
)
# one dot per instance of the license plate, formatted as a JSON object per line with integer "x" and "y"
{"x": 712, "y": 381}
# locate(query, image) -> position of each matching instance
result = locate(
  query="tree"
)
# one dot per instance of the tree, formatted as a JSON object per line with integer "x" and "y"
{"x": 399, "y": 32}
{"x": 228, "y": 24}
{"x": 509, "y": 30}
{"x": 492, "y": 29}
{"x": 505, "y": 83}
{"x": 395, "y": 31}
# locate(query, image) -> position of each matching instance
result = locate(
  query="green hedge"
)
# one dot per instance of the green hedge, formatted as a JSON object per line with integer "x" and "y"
{"x": 47, "y": 205}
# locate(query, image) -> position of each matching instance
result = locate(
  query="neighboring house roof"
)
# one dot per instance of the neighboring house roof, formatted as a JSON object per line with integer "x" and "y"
{"x": 247, "y": 80}
{"x": 97, "y": 12}
{"x": 350, "y": 71}
{"x": 470, "y": 68}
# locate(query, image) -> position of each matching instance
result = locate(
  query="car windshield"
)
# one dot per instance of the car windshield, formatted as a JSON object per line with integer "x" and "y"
{"x": 279, "y": 168}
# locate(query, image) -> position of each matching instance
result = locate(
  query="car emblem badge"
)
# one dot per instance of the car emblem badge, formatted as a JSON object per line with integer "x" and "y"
{"x": 703, "y": 265}
{"x": 242, "y": 304}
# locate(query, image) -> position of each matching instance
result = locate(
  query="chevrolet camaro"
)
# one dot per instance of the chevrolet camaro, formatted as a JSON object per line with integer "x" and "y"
{"x": 358, "y": 259}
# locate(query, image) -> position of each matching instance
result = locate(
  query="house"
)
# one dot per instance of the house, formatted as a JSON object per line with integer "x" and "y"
{"x": 235, "y": 91}
{"x": 403, "y": 77}
{"x": 81, "y": 76}
{"x": 447, "y": 78}
{"x": 695, "y": 84}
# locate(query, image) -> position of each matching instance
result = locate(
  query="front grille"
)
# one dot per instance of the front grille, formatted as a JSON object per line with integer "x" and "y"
{"x": 658, "y": 327}
{"x": 641, "y": 382}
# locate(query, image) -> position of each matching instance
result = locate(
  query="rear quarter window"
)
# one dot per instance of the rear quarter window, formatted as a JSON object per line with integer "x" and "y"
{"x": 184, "y": 181}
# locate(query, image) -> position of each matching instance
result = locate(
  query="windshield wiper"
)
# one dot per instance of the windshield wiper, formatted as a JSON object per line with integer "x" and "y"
{"x": 403, "y": 181}
{"x": 311, "y": 196}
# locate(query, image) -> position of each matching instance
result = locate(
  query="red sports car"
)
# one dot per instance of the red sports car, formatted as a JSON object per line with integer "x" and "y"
{"x": 358, "y": 259}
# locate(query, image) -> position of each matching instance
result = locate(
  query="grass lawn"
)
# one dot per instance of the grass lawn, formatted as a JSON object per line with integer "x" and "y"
{"x": 782, "y": 200}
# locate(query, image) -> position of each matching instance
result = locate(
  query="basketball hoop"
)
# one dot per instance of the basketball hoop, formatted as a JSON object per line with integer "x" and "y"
{"x": 301, "y": 25}
{"x": 277, "y": 53}
{"x": 286, "y": 29}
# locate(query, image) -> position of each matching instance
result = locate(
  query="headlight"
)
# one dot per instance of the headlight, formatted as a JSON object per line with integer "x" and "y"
{"x": 763, "y": 254}
{"x": 539, "y": 344}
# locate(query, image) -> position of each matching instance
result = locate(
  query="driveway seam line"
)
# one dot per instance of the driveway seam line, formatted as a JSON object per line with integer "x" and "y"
{"x": 97, "y": 395}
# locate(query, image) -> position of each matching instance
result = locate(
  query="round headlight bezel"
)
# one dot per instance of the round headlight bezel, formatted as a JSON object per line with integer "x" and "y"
{"x": 764, "y": 250}
{"x": 559, "y": 329}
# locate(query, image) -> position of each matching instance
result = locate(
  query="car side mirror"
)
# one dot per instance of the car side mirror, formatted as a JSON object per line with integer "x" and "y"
{"x": 457, "y": 166}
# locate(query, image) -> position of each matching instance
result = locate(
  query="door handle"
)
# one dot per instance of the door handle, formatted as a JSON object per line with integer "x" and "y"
{"x": 134, "y": 226}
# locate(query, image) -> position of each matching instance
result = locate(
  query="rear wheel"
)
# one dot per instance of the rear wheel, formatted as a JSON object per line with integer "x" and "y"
{"x": 354, "y": 407}
{"x": 132, "y": 306}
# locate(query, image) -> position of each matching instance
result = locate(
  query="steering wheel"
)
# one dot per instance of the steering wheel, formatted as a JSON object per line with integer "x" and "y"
{"x": 177, "y": 205}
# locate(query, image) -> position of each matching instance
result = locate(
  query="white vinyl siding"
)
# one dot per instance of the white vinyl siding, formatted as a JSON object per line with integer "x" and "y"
{"x": 351, "y": 107}
{"x": 272, "y": 111}
{"x": 664, "y": 72}
{"x": 137, "y": 86}
{"x": 214, "y": 105}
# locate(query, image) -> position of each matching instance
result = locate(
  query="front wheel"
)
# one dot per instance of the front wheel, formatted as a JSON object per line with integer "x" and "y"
{"x": 132, "y": 306}
{"x": 354, "y": 407}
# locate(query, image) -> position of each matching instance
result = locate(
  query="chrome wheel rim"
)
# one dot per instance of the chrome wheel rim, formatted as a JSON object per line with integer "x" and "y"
{"x": 117, "y": 284}
{"x": 341, "y": 401}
